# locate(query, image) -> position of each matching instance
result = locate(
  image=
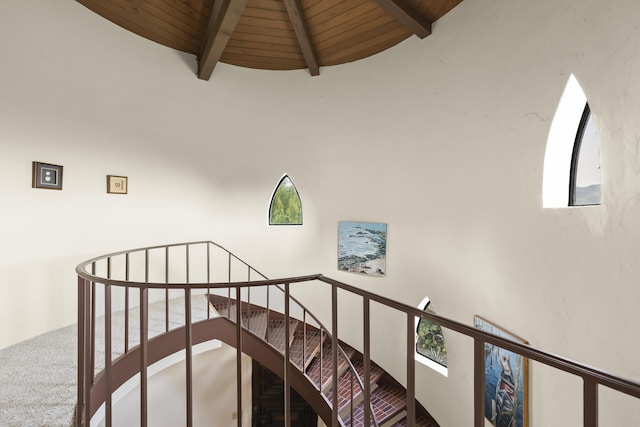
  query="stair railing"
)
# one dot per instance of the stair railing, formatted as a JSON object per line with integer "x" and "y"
{"x": 186, "y": 268}
{"x": 95, "y": 385}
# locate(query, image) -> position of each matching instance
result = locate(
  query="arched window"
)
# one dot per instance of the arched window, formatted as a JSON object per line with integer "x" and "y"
{"x": 584, "y": 181}
{"x": 430, "y": 345}
{"x": 285, "y": 207}
{"x": 571, "y": 174}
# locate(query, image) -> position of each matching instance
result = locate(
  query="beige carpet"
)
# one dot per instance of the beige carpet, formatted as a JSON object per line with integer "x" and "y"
{"x": 38, "y": 376}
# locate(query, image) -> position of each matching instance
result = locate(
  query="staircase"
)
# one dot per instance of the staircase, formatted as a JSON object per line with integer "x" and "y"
{"x": 311, "y": 353}
{"x": 282, "y": 335}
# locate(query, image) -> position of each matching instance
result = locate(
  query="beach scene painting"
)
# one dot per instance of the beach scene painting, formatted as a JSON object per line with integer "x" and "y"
{"x": 505, "y": 383}
{"x": 362, "y": 248}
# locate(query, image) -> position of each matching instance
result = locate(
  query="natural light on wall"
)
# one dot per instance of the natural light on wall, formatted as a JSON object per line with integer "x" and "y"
{"x": 557, "y": 159}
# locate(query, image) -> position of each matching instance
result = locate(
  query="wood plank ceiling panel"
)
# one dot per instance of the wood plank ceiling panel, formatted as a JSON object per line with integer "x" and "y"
{"x": 155, "y": 20}
{"x": 326, "y": 32}
{"x": 367, "y": 44}
{"x": 362, "y": 27}
{"x": 276, "y": 48}
{"x": 352, "y": 18}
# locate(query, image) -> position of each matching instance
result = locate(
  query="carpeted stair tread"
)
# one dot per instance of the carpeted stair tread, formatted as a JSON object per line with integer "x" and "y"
{"x": 387, "y": 401}
{"x": 276, "y": 333}
{"x": 314, "y": 370}
{"x": 304, "y": 346}
{"x": 420, "y": 422}
{"x": 345, "y": 393}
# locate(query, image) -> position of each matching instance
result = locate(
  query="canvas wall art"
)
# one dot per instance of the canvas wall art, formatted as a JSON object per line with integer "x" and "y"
{"x": 362, "y": 248}
{"x": 506, "y": 380}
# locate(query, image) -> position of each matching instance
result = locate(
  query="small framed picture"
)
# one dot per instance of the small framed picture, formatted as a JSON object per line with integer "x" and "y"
{"x": 117, "y": 184}
{"x": 45, "y": 175}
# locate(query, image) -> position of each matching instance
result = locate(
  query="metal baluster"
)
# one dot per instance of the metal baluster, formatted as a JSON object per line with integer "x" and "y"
{"x": 248, "y": 299}
{"x": 304, "y": 339}
{"x": 287, "y": 372}
{"x": 366, "y": 360}
{"x": 208, "y": 279}
{"x": 334, "y": 352}
{"x": 321, "y": 357}
{"x": 166, "y": 290}
{"x": 89, "y": 331}
{"x": 411, "y": 372}
{"x": 266, "y": 333}
{"x": 590, "y": 403}
{"x": 189, "y": 355}
{"x": 478, "y": 382}
{"x": 238, "y": 357}
{"x": 144, "y": 330}
{"x": 351, "y": 400}
{"x": 92, "y": 364}
{"x": 107, "y": 349}
{"x": 126, "y": 304}
{"x": 81, "y": 348}
{"x": 229, "y": 291}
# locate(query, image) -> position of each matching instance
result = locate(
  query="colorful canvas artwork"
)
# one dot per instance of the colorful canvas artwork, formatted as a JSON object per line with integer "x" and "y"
{"x": 506, "y": 380}
{"x": 362, "y": 247}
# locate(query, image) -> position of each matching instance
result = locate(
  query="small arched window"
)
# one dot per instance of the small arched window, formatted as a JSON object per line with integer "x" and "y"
{"x": 285, "y": 207}
{"x": 430, "y": 345}
{"x": 584, "y": 181}
{"x": 571, "y": 174}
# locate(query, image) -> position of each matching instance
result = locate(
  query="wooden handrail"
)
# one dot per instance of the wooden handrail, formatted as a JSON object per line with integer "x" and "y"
{"x": 88, "y": 278}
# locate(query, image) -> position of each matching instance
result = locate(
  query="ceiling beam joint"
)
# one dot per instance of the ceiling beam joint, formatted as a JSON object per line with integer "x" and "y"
{"x": 302, "y": 34}
{"x": 224, "y": 17}
{"x": 407, "y": 16}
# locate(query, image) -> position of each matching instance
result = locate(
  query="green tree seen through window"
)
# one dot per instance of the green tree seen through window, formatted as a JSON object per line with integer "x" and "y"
{"x": 430, "y": 341}
{"x": 286, "y": 207}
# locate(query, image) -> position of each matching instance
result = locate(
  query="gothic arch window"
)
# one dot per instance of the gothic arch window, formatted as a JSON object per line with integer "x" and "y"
{"x": 285, "y": 207}
{"x": 430, "y": 344}
{"x": 584, "y": 179}
{"x": 571, "y": 174}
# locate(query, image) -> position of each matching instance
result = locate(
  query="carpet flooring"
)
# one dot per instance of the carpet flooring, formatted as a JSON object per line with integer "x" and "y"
{"x": 38, "y": 376}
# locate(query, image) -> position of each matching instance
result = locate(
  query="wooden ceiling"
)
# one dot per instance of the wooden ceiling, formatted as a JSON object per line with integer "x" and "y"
{"x": 274, "y": 34}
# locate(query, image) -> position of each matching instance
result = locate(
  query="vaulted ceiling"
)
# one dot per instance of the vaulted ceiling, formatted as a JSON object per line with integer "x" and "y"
{"x": 275, "y": 34}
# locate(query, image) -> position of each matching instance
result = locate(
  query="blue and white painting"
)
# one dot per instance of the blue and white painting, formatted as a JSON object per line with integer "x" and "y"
{"x": 362, "y": 247}
{"x": 505, "y": 399}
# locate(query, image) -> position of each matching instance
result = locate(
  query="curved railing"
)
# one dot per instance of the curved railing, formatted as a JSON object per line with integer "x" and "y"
{"x": 171, "y": 268}
{"x": 154, "y": 275}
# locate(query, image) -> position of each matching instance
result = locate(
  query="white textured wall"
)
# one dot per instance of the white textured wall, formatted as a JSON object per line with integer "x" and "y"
{"x": 443, "y": 139}
{"x": 213, "y": 394}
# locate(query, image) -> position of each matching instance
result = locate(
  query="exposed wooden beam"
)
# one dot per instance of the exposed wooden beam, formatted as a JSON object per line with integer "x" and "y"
{"x": 407, "y": 16}
{"x": 302, "y": 34}
{"x": 225, "y": 14}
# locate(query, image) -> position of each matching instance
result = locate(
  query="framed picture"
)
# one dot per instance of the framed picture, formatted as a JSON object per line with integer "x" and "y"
{"x": 45, "y": 175}
{"x": 362, "y": 247}
{"x": 117, "y": 184}
{"x": 506, "y": 399}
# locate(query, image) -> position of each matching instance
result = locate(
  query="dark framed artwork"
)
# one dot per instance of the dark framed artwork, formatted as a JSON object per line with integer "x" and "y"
{"x": 117, "y": 184}
{"x": 46, "y": 175}
{"x": 506, "y": 399}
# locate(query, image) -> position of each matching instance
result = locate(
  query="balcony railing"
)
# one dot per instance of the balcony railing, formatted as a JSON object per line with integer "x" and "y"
{"x": 127, "y": 285}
